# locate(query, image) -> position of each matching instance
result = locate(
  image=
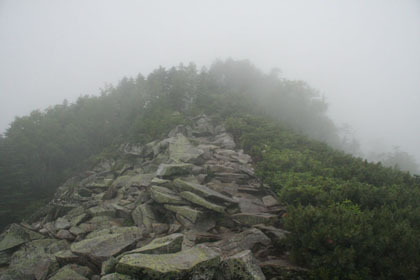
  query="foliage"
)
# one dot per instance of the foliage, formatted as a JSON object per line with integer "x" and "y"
{"x": 349, "y": 219}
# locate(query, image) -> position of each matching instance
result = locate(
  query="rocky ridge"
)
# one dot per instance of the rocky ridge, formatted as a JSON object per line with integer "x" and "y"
{"x": 185, "y": 207}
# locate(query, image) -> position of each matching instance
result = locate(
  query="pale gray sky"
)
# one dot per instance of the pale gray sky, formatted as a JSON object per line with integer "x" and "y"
{"x": 363, "y": 55}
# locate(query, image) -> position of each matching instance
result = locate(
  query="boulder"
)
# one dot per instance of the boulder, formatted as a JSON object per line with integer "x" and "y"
{"x": 202, "y": 191}
{"x": 176, "y": 169}
{"x": 270, "y": 201}
{"x": 102, "y": 247}
{"x": 242, "y": 266}
{"x": 17, "y": 235}
{"x": 187, "y": 212}
{"x": 163, "y": 245}
{"x": 251, "y": 219}
{"x": 181, "y": 150}
{"x": 165, "y": 195}
{"x": 192, "y": 197}
{"x": 108, "y": 266}
{"x": 250, "y": 239}
{"x": 35, "y": 260}
{"x": 65, "y": 234}
{"x": 199, "y": 262}
{"x": 117, "y": 276}
{"x": 69, "y": 272}
{"x": 282, "y": 269}
{"x": 141, "y": 180}
{"x": 203, "y": 127}
{"x": 102, "y": 211}
{"x": 4, "y": 258}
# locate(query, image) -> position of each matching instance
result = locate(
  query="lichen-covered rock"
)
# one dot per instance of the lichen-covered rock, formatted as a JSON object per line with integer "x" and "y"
{"x": 165, "y": 195}
{"x": 66, "y": 256}
{"x": 241, "y": 266}
{"x": 117, "y": 276}
{"x": 35, "y": 259}
{"x": 181, "y": 150}
{"x": 4, "y": 258}
{"x": 187, "y": 212}
{"x": 249, "y": 239}
{"x": 108, "y": 266}
{"x": 199, "y": 262}
{"x": 17, "y": 235}
{"x": 282, "y": 269}
{"x": 102, "y": 211}
{"x": 202, "y": 191}
{"x": 192, "y": 197}
{"x": 270, "y": 201}
{"x": 65, "y": 234}
{"x": 164, "y": 245}
{"x": 175, "y": 169}
{"x": 102, "y": 247}
{"x": 251, "y": 219}
{"x": 67, "y": 273}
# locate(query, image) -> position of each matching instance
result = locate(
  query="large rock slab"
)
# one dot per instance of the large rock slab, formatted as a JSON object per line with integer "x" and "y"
{"x": 282, "y": 269}
{"x": 181, "y": 150}
{"x": 164, "y": 245}
{"x": 102, "y": 247}
{"x": 199, "y": 262}
{"x": 202, "y": 191}
{"x": 251, "y": 219}
{"x": 250, "y": 239}
{"x": 117, "y": 276}
{"x": 241, "y": 266}
{"x": 176, "y": 169}
{"x": 67, "y": 273}
{"x": 196, "y": 199}
{"x": 35, "y": 260}
{"x": 17, "y": 235}
{"x": 187, "y": 212}
{"x": 165, "y": 195}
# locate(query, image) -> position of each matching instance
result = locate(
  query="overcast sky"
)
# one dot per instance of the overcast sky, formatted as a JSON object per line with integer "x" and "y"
{"x": 363, "y": 55}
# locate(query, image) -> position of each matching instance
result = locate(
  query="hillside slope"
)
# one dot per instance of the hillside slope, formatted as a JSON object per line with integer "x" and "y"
{"x": 185, "y": 207}
{"x": 347, "y": 218}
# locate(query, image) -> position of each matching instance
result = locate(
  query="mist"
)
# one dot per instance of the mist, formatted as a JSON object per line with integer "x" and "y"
{"x": 361, "y": 55}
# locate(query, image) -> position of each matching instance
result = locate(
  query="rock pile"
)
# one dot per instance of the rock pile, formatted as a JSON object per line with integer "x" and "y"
{"x": 186, "y": 207}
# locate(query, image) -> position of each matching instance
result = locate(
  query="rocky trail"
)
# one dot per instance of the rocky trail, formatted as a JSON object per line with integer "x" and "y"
{"x": 186, "y": 207}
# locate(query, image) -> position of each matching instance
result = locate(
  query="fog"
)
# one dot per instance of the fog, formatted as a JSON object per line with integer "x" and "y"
{"x": 363, "y": 56}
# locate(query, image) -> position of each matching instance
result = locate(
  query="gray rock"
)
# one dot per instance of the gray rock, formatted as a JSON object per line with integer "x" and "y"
{"x": 251, "y": 219}
{"x": 17, "y": 235}
{"x": 65, "y": 234}
{"x": 243, "y": 266}
{"x": 62, "y": 223}
{"x": 270, "y": 201}
{"x": 187, "y": 212}
{"x": 100, "y": 248}
{"x": 181, "y": 150}
{"x": 164, "y": 245}
{"x": 246, "y": 240}
{"x": 202, "y": 191}
{"x": 36, "y": 260}
{"x": 165, "y": 195}
{"x": 117, "y": 276}
{"x": 68, "y": 272}
{"x": 175, "y": 169}
{"x": 199, "y": 262}
{"x": 192, "y": 197}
